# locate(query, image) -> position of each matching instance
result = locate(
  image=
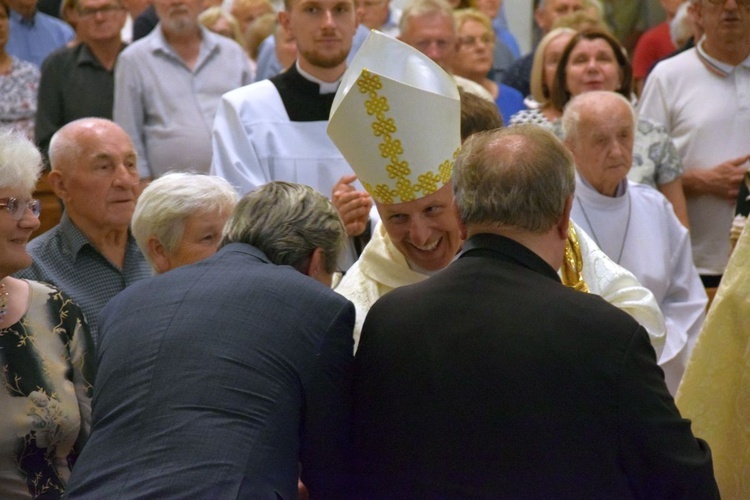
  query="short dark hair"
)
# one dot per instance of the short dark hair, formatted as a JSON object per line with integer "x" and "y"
{"x": 559, "y": 95}
{"x": 477, "y": 115}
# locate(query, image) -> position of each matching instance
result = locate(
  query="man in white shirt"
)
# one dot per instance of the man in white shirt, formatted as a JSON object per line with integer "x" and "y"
{"x": 702, "y": 97}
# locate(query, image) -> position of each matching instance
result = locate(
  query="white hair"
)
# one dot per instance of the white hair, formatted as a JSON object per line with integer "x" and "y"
{"x": 572, "y": 115}
{"x": 168, "y": 201}
{"x": 20, "y": 162}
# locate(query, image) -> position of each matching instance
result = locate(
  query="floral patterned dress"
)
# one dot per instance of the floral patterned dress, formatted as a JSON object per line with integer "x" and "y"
{"x": 47, "y": 361}
{"x": 18, "y": 94}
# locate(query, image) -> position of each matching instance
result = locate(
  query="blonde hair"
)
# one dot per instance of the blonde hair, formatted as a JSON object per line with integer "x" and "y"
{"x": 539, "y": 90}
{"x": 461, "y": 16}
{"x": 210, "y": 16}
{"x": 260, "y": 29}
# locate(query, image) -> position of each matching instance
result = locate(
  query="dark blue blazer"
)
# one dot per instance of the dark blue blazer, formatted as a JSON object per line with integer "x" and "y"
{"x": 216, "y": 380}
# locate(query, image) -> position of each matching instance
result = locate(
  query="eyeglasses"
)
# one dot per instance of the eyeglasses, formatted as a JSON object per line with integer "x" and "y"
{"x": 743, "y": 3}
{"x": 17, "y": 207}
{"x": 471, "y": 41}
{"x": 107, "y": 10}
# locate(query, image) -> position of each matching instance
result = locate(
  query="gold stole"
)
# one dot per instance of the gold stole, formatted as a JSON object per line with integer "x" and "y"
{"x": 572, "y": 268}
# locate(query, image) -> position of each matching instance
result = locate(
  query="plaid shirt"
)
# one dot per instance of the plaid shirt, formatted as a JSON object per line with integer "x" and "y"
{"x": 64, "y": 257}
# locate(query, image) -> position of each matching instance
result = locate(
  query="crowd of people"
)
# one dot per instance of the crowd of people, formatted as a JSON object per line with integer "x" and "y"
{"x": 349, "y": 249}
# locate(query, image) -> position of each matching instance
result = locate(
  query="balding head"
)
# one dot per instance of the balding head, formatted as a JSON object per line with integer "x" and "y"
{"x": 599, "y": 129}
{"x": 518, "y": 177}
{"x": 550, "y": 10}
{"x": 94, "y": 173}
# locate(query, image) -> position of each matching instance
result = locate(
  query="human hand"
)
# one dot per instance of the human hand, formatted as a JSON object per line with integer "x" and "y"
{"x": 353, "y": 206}
{"x": 723, "y": 180}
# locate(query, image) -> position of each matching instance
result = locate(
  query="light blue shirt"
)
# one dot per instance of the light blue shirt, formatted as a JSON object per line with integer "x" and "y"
{"x": 34, "y": 39}
{"x": 167, "y": 108}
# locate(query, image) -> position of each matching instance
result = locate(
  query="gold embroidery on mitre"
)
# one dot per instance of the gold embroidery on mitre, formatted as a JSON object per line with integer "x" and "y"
{"x": 392, "y": 149}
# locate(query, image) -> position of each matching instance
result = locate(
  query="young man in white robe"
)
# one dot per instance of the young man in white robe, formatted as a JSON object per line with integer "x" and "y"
{"x": 403, "y": 153}
{"x": 274, "y": 130}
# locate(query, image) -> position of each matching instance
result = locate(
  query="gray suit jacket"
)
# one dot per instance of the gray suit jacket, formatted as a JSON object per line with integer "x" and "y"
{"x": 216, "y": 380}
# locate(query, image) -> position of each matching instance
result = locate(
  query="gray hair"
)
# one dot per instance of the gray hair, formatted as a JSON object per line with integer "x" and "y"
{"x": 571, "y": 117}
{"x": 518, "y": 177}
{"x": 168, "y": 201}
{"x": 679, "y": 27}
{"x": 419, "y": 8}
{"x": 288, "y": 222}
{"x": 20, "y": 162}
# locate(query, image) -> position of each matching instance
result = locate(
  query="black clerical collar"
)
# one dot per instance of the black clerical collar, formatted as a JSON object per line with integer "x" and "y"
{"x": 301, "y": 97}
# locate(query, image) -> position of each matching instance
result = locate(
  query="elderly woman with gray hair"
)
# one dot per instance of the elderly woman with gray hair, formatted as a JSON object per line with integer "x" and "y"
{"x": 180, "y": 217}
{"x": 46, "y": 350}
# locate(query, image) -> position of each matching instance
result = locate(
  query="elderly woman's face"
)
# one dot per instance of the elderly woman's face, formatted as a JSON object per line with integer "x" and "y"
{"x": 592, "y": 65}
{"x": 200, "y": 238}
{"x": 15, "y": 229}
{"x": 475, "y": 50}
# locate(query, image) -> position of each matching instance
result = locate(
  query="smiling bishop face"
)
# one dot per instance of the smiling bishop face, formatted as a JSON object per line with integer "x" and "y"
{"x": 426, "y": 230}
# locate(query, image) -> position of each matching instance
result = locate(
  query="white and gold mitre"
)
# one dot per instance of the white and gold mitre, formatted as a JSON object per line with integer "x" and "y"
{"x": 396, "y": 118}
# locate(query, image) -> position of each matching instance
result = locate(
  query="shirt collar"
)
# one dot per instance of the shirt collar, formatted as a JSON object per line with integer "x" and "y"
{"x": 159, "y": 43}
{"x": 85, "y": 56}
{"x": 715, "y": 66}
{"x": 72, "y": 236}
{"x": 325, "y": 87}
{"x": 18, "y": 18}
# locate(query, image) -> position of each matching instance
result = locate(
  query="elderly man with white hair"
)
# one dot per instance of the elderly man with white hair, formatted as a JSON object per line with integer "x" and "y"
{"x": 179, "y": 218}
{"x": 633, "y": 223}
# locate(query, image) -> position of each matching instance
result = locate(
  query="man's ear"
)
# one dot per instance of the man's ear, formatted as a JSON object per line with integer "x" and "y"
{"x": 158, "y": 255}
{"x": 56, "y": 180}
{"x": 316, "y": 268}
{"x": 564, "y": 222}
{"x": 316, "y": 265}
{"x": 461, "y": 225}
{"x": 284, "y": 21}
{"x": 540, "y": 17}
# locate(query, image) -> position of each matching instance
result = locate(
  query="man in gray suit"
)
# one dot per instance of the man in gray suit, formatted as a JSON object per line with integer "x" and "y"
{"x": 218, "y": 379}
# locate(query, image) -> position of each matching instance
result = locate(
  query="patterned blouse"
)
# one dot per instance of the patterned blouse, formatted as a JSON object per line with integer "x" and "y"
{"x": 18, "y": 94}
{"x": 47, "y": 361}
{"x": 655, "y": 159}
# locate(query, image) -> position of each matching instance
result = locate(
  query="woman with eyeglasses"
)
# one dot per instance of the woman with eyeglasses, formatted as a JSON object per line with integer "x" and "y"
{"x": 474, "y": 58}
{"x": 46, "y": 351}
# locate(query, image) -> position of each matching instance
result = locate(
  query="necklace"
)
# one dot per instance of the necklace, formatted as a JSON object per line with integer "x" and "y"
{"x": 3, "y": 302}
{"x": 593, "y": 233}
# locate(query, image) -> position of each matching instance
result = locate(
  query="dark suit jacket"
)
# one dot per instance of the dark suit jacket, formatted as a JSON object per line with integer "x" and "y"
{"x": 215, "y": 380}
{"x": 492, "y": 379}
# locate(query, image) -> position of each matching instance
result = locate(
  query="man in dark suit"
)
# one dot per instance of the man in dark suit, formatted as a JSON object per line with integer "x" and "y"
{"x": 218, "y": 379}
{"x": 492, "y": 379}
